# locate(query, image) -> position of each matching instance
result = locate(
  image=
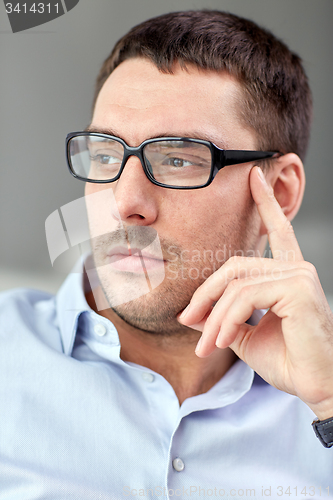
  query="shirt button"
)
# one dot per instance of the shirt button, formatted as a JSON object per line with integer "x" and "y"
{"x": 178, "y": 464}
{"x": 100, "y": 330}
{"x": 148, "y": 377}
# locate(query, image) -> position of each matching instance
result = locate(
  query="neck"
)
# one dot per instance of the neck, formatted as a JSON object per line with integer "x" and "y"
{"x": 173, "y": 357}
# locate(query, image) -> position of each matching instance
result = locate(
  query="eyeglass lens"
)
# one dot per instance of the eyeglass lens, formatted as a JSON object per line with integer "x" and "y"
{"x": 170, "y": 162}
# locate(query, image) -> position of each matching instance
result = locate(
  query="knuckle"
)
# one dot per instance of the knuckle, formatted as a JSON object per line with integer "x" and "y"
{"x": 234, "y": 259}
{"x": 288, "y": 228}
{"x": 233, "y": 285}
{"x": 310, "y": 268}
{"x": 285, "y": 228}
{"x": 304, "y": 283}
{"x": 307, "y": 271}
{"x": 246, "y": 291}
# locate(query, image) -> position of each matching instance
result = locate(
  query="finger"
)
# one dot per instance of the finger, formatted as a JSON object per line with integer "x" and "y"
{"x": 280, "y": 232}
{"x": 283, "y": 298}
{"x": 238, "y": 292}
{"x": 240, "y": 300}
{"x": 200, "y": 324}
{"x": 234, "y": 269}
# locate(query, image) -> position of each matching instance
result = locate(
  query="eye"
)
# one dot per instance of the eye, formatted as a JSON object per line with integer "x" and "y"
{"x": 177, "y": 162}
{"x": 105, "y": 159}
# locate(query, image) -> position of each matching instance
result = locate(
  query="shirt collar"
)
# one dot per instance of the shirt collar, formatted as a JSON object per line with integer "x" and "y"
{"x": 72, "y": 307}
{"x": 71, "y": 304}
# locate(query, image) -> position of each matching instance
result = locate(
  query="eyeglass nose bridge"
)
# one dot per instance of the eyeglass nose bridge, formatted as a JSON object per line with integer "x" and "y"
{"x": 138, "y": 152}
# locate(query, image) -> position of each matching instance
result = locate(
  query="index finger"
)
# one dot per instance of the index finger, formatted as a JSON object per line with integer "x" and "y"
{"x": 280, "y": 232}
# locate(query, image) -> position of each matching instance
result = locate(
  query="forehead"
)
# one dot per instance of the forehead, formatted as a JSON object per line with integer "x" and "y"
{"x": 138, "y": 102}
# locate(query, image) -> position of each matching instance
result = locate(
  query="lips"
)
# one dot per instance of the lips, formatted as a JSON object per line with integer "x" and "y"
{"x": 133, "y": 260}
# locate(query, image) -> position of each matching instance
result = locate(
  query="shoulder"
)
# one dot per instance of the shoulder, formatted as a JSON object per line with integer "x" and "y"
{"x": 28, "y": 313}
{"x": 22, "y": 296}
{"x": 20, "y": 304}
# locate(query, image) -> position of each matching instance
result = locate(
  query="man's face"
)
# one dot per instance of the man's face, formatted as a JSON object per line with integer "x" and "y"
{"x": 198, "y": 229}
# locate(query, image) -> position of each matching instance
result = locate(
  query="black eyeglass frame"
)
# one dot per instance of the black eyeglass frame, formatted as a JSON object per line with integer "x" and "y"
{"x": 220, "y": 157}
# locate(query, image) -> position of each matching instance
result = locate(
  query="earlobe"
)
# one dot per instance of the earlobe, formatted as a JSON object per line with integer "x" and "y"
{"x": 287, "y": 179}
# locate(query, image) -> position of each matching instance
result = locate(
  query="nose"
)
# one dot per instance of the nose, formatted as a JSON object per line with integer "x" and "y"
{"x": 136, "y": 196}
{"x": 138, "y": 153}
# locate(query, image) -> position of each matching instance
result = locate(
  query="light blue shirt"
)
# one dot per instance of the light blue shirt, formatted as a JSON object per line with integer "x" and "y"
{"x": 78, "y": 423}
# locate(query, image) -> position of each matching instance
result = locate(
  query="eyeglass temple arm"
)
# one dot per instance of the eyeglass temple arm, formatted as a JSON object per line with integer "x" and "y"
{"x": 233, "y": 157}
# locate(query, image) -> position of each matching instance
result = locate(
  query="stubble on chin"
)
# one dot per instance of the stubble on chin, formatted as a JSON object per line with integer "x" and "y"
{"x": 156, "y": 311}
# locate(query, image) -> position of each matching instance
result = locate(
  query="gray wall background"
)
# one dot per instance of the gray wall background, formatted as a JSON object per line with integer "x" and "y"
{"x": 46, "y": 86}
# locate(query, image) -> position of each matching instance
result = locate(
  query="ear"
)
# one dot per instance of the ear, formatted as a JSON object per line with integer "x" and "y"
{"x": 287, "y": 179}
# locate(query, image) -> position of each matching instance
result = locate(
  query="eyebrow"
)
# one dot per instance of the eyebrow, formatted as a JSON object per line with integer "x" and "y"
{"x": 97, "y": 130}
{"x": 192, "y": 135}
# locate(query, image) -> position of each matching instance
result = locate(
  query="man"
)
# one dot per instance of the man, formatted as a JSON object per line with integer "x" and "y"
{"x": 193, "y": 155}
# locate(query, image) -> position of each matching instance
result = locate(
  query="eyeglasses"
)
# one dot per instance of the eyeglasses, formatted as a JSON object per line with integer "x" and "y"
{"x": 171, "y": 162}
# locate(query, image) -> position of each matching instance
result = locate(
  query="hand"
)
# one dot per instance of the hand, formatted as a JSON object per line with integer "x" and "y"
{"x": 292, "y": 345}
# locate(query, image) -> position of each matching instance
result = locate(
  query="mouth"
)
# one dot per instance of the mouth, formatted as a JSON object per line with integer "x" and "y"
{"x": 134, "y": 260}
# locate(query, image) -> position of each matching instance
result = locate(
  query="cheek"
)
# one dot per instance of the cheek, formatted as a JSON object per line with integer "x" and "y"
{"x": 185, "y": 213}
{"x": 232, "y": 187}
{"x": 92, "y": 188}
{"x": 103, "y": 214}
{"x": 225, "y": 200}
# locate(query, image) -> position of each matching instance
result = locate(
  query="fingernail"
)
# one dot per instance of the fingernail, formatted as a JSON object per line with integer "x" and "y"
{"x": 261, "y": 175}
{"x": 198, "y": 344}
{"x": 219, "y": 337}
{"x": 183, "y": 314}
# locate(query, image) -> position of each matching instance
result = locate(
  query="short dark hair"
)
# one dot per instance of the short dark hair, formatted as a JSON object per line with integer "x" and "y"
{"x": 277, "y": 101}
